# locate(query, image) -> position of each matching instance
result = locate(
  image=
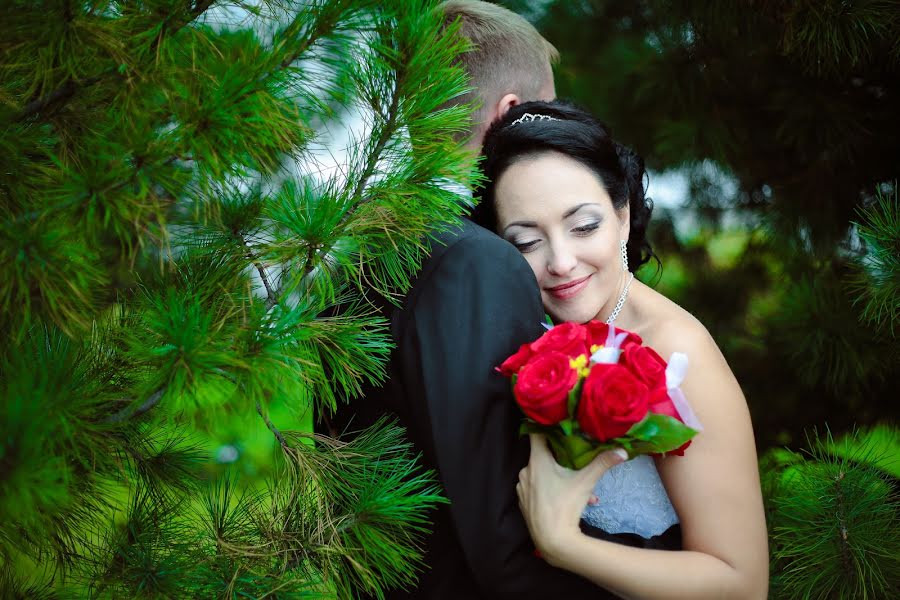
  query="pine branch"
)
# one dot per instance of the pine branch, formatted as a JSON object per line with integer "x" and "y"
{"x": 388, "y": 130}
{"x": 322, "y": 27}
{"x": 201, "y": 7}
{"x": 841, "y": 516}
{"x": 271, "y": 294}
{"x": 877, "y": 282}
{"x": 73, "y": 202}
{"x": 61, "y": 94}
{"x": 278, "y": 435}
{"x": 359, "y": 487}
{"x": 129, "y": 412}
{"x": 837, "y": 512}
{"x": 69, "y": 88}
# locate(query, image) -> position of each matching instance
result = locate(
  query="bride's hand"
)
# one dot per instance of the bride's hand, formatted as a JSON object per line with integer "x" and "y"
{"x": 553, "y": 497}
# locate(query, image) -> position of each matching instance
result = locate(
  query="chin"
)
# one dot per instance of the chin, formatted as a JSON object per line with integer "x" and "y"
{"x": 573, "y": 314}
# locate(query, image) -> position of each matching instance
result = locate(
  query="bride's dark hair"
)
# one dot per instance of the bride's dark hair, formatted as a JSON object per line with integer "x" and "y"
{"x": 574, "y": 132}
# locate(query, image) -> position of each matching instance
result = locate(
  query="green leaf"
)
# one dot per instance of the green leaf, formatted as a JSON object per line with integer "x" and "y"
{"x": 575, "y": 451}
{"x": 529, "y": 426}
{"x": 657, "y": 433}
{"x": 574, "y": 395}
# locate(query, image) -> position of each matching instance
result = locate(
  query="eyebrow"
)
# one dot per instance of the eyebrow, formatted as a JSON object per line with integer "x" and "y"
{"x": 566, "y": 215}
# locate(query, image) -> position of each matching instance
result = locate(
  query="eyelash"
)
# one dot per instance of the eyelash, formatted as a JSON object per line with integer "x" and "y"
{"x": 583, "y": 231}
{"x": 587, "y": 229}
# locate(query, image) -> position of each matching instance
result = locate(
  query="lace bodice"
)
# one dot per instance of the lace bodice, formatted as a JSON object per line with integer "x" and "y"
{"x": 632, "y": 500}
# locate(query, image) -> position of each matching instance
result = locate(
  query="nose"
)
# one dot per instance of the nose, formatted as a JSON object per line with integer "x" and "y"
{"x": 561, "y": 261}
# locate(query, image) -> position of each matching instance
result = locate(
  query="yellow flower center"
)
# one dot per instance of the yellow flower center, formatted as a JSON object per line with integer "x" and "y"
{"x": 580, "y": 364}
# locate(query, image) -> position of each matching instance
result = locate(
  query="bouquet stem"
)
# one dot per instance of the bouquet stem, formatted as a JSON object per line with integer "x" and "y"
{"x": 573, "y": 451}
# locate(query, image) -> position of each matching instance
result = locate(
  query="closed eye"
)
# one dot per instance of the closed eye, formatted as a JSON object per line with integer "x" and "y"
{"x": 586, "y": 229}
{"x": 524, "y": 247}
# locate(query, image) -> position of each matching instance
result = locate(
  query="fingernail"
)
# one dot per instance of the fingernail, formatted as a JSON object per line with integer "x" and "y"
{"x": 621, "y": 453}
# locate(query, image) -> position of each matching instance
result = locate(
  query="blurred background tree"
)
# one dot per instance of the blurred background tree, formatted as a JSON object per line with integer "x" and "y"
{"x": 779, "y": 120}
{"x": 170, "y": 250}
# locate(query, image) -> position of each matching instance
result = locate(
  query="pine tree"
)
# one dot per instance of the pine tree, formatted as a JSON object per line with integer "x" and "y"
{"x": 832, "y": 515}
{"x": 172, "y": 261}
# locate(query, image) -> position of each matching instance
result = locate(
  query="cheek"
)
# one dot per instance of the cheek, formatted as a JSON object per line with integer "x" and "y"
{"x": 535, "y": 262}
{"x": 611, "y": 254}
{"x": 602, "y": 251}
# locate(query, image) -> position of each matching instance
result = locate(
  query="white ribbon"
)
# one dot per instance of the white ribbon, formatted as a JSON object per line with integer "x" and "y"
{"x": 676, "y": 369}
{"x": 675, "y": 373}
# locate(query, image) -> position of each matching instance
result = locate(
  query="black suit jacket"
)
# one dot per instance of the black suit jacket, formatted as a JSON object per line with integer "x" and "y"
{"x": 473, "y": 303}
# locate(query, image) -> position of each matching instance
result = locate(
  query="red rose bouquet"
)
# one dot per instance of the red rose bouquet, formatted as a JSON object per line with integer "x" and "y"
{"x": 590, "y": 388}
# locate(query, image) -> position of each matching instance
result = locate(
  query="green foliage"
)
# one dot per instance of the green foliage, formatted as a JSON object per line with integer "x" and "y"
{"x": 836, "y": 37}
{"x": 373, "y": 502}
{"x": 817, "y": 325}
{"x": 173, "y": 263}
{"x": 330, "y": 519}
{"x": 25, "y": 589}
{"x": 41, "y": 281}
{"x": 55, "y": 442}
{"x": 878, "y": 284}
{"x": 834, "y": 524}
{"x": 879, "y": 444}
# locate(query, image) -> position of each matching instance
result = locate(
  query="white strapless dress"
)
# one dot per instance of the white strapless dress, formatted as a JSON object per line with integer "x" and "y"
{"x": 632, "y": 500}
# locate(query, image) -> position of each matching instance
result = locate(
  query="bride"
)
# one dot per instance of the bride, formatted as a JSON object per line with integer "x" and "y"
{"x": 571, "y": 200}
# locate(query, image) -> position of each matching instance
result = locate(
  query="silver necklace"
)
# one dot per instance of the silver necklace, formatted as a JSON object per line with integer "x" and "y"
{"x": 621, "y": 302}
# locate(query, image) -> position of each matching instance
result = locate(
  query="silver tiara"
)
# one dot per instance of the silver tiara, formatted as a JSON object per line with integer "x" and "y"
{"x": 533, "y": 117}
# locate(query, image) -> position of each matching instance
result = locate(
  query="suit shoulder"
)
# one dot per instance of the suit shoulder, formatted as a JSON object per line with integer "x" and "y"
{"x": 476, "y": 261}
{"x": 481, "y": 249}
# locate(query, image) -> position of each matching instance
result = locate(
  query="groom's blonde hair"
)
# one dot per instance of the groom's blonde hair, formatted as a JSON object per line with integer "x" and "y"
{"x": 508, "y": 55}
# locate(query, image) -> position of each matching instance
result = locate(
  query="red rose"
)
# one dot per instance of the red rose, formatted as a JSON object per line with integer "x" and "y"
{"x": 543, "y": 386}
{"x": 598, "y": 331}
{"x": 612, "y": 400}
{"x": 645, "y": 364}
{"x": 661, "y": 404}
{"x": 515, "y": 362}
{"x": 568, "y": 338}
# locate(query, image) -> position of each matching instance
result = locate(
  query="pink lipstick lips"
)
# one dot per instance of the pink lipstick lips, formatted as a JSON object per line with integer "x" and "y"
{"x": 568, "y": 290}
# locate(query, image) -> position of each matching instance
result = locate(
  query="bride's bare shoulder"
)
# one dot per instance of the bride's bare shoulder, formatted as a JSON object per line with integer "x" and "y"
{"x": 670, "y": 328}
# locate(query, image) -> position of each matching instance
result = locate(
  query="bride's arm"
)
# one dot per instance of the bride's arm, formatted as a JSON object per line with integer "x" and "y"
{"x": 714, "y": 488}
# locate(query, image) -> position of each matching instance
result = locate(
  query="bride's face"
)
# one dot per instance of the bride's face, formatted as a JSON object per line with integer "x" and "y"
{"x": 560, "y": 217}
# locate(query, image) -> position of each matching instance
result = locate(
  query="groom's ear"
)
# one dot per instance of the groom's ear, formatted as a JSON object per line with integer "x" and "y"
{"x": 505, "y": 103}
{"x": 491, "y": 113}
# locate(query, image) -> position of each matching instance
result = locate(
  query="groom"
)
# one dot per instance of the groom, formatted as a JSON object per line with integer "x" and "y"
{"x": 473, "y": 303}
